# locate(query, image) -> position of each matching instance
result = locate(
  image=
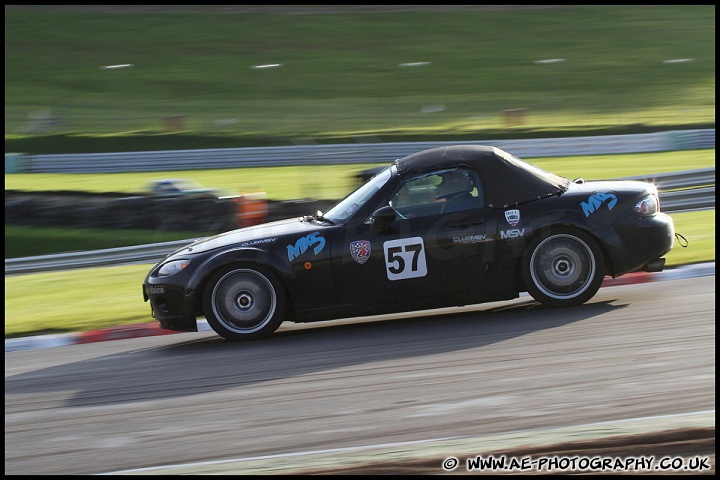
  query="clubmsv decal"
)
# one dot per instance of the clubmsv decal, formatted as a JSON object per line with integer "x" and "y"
{"x": 304, "y": 243}
{"x": 596, "y": 200}
{"x": 469, "y": 238}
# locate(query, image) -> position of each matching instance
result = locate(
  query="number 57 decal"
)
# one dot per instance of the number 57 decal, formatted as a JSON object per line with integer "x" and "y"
{"x": 405, "y": 258}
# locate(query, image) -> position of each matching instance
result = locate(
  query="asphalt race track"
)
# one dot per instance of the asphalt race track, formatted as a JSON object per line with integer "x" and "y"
{"x": 393, "y": 391}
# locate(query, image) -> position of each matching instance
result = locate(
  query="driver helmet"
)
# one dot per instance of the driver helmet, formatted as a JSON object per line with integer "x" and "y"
{"x": 454, "y": 181}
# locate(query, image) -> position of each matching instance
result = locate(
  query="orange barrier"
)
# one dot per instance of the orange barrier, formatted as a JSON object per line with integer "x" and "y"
{"x": 251, "y": 209}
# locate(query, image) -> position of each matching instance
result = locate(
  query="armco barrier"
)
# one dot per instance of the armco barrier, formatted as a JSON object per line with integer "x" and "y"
{"x": 161, "y": 214}
{"x": 685, "y": 200}
{"x": 343, "y": 154}
{"x": 683, "y": 179}
{"x": 14, "y": 163}
{"x": 96, "y": 258}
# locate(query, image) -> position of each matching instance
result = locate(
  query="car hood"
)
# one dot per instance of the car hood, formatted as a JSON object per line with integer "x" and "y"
{"x": 251, "y": 236}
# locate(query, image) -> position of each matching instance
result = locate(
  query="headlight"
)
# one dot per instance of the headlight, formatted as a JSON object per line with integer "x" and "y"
{"x": 648, "y": 206}
{"x": 171, "y": 268}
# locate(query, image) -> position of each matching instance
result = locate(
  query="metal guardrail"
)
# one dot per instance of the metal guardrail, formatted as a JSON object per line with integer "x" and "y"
{"x": 150, "y": 253}
{"x": 685, "y": 190}
{"x": 696, "y": 191}
{"x": 684, "y": 179}
{"x": 687, "y": 200}
{"x": 360, "y": 153}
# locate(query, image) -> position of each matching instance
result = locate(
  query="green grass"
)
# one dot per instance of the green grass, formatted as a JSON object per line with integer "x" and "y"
{"x": 87, "y": 299}
{"x": 699, "y": 230}
{"x": 344, "y": 76}
{"x": 279, "y": 183}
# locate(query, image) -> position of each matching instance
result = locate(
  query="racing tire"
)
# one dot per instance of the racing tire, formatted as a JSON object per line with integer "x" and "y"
{"x": 563, "y": 269}
{"x": 244, "y": 303}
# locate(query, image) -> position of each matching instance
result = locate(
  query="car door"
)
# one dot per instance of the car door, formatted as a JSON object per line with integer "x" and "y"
{"x": 426, "y": 250}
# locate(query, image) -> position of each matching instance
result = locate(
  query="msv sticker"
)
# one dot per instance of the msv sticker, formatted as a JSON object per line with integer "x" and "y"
{"x": 596, "y": 200}
{"x": 360, "y": 251}
{"x": 515, "y": 233}
{"x": 512, "y": 217}
{"x": 405, "y": 258}
{"x": 304, "y": 243}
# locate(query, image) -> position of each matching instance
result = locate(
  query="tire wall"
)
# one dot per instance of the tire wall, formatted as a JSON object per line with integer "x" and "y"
{"x": 206, "y": 215}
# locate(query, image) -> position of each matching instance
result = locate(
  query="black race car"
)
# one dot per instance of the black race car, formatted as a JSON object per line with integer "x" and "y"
{"x": 448, "y": 226}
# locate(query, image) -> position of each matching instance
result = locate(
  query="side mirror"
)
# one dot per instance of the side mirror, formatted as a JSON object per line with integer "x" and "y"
{"x": 382, "y": 217}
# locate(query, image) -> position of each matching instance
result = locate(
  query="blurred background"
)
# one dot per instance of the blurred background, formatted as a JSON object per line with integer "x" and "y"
{"x": 111, "y": 78}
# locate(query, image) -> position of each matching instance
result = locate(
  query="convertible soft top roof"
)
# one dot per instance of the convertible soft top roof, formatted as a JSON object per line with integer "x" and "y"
{"x": 506, "y": 179}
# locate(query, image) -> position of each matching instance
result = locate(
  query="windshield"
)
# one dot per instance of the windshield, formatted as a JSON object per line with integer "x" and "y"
{"x": 342, "y": 211}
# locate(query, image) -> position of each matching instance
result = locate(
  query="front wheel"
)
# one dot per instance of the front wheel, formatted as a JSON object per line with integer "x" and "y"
{"x": 244, "y": 303}
{"x": 564, "y": 269}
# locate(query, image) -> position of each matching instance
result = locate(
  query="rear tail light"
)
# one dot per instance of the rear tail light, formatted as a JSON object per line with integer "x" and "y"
{"x": 648, "y": 206}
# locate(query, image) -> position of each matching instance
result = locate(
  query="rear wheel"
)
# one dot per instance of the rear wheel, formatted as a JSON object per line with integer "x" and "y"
{"x": 244, "y": 303}
{"x": 564, "y": 269}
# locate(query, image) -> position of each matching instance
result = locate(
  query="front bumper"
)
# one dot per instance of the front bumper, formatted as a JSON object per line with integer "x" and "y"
{"x": 171, "y": 306}
{"x": 640, "y": 242}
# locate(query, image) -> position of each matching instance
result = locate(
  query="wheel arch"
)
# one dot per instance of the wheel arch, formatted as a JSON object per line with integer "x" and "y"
{"x": 242, "y": 258}
{"x": 546, "y": 231}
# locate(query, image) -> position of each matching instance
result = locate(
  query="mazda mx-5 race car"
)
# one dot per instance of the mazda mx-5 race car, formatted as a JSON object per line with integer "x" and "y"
{"x": 448, "y": 226}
